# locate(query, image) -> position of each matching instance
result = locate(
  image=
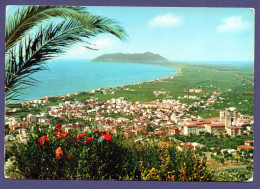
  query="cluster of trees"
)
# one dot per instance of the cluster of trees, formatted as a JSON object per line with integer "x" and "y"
{"x": 218, "y": 158}
{"x": 233, "y": 175}
{"x": 149, "y": 128}
{"x": 245, "y": 155}
{"x": 222, "y": 157}
{"x": 223, "y": 142}
{"x": 244, "y": 102}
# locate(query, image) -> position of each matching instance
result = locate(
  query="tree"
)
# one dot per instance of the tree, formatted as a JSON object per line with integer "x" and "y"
{"x": 31, "y": 40}
{"x": 149, "y": 128}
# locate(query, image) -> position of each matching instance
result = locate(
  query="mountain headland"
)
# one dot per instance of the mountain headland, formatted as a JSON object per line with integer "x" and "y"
{"x": 136, "y": 57}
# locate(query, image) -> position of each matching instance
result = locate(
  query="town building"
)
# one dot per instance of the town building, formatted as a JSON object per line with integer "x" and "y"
{"x": 234, "y": 131}
{"x": 247, "y": 146}
{"x": 215, "y": 129}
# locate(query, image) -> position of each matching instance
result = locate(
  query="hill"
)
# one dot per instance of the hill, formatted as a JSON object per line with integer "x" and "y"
{"x": 137, "y": 57}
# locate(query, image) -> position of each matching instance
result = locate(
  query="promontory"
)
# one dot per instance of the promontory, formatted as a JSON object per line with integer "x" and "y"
{"x": 136, "y": 57}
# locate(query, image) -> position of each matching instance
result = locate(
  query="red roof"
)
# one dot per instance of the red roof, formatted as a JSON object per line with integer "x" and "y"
{"x": 16, "y": 126}
{"x": 163, "y": 131}
{"x": 204, "y": 121}
{"x": 148, "y": 103}
{"x": 245, "y": 147}
{"x": 234, "y": 127}
{"x": 12, "y": 131}
{"x": 216, "y": 125}
{"x": 190, "y": 125}
{"x": 249, "y": 141}
{"x": 246, "y": 116}
{"x": 212, "y": 119}
{"x": 191, "y": 122}
{"x": 186, "y": 146}
{"x": 174, "y": 128}
{"x": 140, "y": 129}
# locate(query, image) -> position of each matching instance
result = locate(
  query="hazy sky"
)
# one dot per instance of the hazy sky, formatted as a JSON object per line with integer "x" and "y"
{"x": 193, "y": 34}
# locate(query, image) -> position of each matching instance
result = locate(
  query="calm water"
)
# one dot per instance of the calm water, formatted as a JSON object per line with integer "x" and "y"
{"x": 71, "y": 76}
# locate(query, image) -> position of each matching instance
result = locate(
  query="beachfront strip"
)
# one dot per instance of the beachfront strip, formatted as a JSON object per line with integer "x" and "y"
{"x": 140, "y": 120}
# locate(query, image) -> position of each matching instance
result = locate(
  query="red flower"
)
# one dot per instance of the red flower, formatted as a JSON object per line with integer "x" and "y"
{"x": 202, "y": 163}
{"x": 41, "y": 141}
{"x": 46, "y": 138}
{"x": 69, "y": 157}
{"x": 81, "y": 136}
{"x": 102, "y": 133}
{"x": 59, "y": 137}
{"x": 58, "y": 128}
{"x": 64, "y": 134}
{"x": 59, "y": 153}
{"x": 108, "y": 137}
{"x": 88, "y": 140}
{"x": 96, "y": 130}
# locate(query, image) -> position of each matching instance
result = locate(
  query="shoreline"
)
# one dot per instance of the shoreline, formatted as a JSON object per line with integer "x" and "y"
{"x": 179, "y": 71}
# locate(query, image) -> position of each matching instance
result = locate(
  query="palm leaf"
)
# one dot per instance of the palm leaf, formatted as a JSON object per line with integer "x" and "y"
{"x": 100, "y": 24}
{"x": 26, "y": 52}
{"x": 25, "y": 19}
{"x": 30, "y": 54}
{"x": 28, "y": 17}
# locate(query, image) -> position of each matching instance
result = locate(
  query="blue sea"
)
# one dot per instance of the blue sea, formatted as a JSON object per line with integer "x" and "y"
{"x": 72, "y": 76}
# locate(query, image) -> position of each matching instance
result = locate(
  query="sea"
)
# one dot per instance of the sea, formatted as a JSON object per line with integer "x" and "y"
{"x": 73, "y": 76}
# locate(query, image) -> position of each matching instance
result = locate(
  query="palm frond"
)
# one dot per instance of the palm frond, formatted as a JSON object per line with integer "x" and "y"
{"x": 29, "y": 16}
{"x": 30, "y": 55}
{"x": 26, "y": 52}
{"x": 25, "y": 19}
{"x": 106, "y": 25}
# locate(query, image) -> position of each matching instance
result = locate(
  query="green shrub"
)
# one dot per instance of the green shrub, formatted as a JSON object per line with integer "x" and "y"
{"x": 52, "y": 154}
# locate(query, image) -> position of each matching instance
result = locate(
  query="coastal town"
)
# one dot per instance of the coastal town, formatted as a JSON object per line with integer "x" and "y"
{"x": 142, "y": 121}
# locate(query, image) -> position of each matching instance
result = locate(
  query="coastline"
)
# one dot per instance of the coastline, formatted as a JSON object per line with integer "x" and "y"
{"x": 179, "y": 72}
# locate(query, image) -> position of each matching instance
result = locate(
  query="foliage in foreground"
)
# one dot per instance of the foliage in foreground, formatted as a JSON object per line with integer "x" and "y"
{"x": 51, "y": 154}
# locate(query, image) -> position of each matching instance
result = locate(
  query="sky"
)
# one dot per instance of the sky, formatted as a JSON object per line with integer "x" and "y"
{"x": 178, "y": 34}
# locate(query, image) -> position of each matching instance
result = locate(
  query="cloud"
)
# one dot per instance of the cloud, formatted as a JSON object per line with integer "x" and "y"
{"x": 233, "y": 24}
{"x": 166, "y": 20}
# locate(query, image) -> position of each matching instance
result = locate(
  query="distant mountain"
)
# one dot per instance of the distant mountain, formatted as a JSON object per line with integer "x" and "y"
{"x": 137, "y": 57}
